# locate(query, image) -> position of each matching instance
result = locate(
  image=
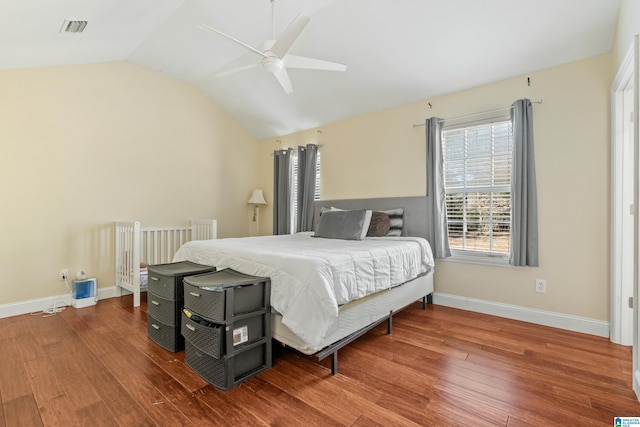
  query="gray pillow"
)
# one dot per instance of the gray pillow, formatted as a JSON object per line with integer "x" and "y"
{"x": 347, "y": 225}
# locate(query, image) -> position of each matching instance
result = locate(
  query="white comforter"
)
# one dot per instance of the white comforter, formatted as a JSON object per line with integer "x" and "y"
{"x": 311, "y": 277}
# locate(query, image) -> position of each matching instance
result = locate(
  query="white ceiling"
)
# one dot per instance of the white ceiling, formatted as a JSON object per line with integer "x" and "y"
{"x": 397, "y": 51}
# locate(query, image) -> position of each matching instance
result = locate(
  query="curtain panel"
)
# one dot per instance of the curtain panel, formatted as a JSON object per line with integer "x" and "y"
{"x": 307, "y": 158}
{"x": 524, "y": 199}
{"x": 282, "y": 194}
{"x": 437, "y": 227}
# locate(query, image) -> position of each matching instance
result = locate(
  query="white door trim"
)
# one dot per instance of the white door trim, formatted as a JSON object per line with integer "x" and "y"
{"x": 621, "y": 320}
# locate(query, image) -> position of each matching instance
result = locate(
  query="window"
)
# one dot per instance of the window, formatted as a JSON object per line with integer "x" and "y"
{"x": 477, "y": 175}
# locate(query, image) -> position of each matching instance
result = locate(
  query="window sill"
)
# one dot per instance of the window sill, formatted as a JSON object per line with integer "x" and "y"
{"x": 478, "y": 258}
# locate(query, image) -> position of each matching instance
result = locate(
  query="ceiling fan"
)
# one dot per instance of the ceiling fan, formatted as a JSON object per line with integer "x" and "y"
{"x": 275, "y": 53}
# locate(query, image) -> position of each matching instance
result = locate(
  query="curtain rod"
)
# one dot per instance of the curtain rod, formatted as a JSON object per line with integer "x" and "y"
{"x": 539, "y": 101}
{"x": 277, "y": 140}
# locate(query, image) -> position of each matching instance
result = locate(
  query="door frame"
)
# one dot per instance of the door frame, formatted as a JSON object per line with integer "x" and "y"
{"x": 622, "y": 159}
{"x": 628, "y": 77}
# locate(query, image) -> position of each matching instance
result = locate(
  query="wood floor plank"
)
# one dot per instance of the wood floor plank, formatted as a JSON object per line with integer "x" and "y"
{"x": 154, "y": 403}
{"x": 227, "y": 409}
{"x": 22, "y": 411}
{"x": 2, "y": 418}
{"x": 122, "y": 406}
{"x": 58, "y": 411}
{"x": 96, "y": 415}
{"x": 43, "y": 380}
{"x": 276, "y": 407}
{"x": 14, "y": 382}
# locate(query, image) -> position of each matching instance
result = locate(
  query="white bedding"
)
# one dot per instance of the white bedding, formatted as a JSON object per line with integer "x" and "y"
{"x": 311, "y": 277}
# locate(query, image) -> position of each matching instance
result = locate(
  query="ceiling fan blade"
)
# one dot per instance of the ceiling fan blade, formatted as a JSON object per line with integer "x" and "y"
{"x": 289, "y": 36}
{"x": 283, "y": 79}
{"x": 295, "y": 61}
{"x": 242, "y": 63}
{"x": 213, "y": 30}
{"x": 223, "y": 72}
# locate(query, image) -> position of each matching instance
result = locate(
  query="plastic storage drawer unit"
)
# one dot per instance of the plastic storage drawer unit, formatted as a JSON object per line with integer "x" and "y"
{"x": 165, "y": 298}
{"x": 226, "y": 324}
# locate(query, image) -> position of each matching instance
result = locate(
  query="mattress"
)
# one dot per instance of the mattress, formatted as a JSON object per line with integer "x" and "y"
{"x": 312, "y": 277}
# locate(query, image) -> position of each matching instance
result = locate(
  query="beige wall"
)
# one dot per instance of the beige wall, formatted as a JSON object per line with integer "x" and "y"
{"x": 628, "y": 26}
{"x": 84, "y": 146}
{"x": 382, "y": 154}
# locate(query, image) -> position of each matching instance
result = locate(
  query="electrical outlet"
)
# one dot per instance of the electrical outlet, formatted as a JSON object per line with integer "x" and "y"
{"x": 64, "y": 274}
{"x": 541, "y": 286}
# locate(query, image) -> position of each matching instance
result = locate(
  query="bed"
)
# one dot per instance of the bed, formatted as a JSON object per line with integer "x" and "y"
{"x": 326, "y": 292}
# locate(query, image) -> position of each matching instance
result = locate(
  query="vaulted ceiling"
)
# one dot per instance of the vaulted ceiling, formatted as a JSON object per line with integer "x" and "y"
{"x": 396, "y": 51}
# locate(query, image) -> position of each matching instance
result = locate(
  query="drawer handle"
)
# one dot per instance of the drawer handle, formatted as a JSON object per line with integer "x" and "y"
{"x": 194, "y": 294}
{"x": 191, "y": 328}
{"x": 155, "y": 302}
{"x": 154, "y": 278}
{"x": 154, "y": 326}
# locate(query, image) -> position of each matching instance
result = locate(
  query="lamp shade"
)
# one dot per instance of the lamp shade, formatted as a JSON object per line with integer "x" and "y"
{"x": 257, "y": 198}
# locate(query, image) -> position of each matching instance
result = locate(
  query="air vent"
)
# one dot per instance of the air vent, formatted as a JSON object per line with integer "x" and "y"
{"x": 73, "y": 26}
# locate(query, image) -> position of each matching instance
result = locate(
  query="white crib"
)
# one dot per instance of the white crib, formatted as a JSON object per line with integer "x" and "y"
{"x": 135, "y": 245}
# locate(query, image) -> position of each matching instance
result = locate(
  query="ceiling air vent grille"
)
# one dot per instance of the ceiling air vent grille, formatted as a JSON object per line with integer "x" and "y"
{"x": 73, "y": 26}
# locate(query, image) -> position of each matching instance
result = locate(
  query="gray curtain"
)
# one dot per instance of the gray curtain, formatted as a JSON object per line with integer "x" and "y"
{"x": 307, "y": 157}
{"x": 437, "y": 231}
{"x": 282, "y": 173}
{"x": 524, "y": 199}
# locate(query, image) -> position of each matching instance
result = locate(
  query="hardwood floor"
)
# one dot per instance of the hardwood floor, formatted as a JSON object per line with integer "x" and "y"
{"x": 95, "y": 366}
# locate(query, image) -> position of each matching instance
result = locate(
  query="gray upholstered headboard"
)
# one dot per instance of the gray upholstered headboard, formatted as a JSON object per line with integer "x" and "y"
{"x": 415, "y": 210}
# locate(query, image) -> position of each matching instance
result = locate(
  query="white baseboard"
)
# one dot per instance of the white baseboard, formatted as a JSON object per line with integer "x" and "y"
{"x": 540, "y": 317}
{"x": 40, "y": 304}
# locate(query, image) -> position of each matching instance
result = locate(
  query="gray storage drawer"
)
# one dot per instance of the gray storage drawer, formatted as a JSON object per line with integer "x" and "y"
{"x": 167, "y": 336}
{"x": 229, "y": 371}
{"x": 218, "y": 339}
{"x": 225, "y": 295}
{"x": 165, "y": 280}
{"x": 162, "y": 309}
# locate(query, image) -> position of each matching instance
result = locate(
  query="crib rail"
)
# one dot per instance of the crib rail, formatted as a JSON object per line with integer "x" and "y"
{"x": 135, "y": 245}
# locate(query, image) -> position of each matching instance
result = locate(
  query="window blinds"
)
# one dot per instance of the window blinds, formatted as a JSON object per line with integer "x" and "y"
{"x": 477, "y": 173}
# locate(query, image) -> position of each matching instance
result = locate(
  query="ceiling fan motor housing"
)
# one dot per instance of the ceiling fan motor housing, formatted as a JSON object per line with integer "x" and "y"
{"x": 272, "y": 64}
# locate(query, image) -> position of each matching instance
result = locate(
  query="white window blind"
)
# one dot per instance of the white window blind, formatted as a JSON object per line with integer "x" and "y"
{"x": 477, "y": 171}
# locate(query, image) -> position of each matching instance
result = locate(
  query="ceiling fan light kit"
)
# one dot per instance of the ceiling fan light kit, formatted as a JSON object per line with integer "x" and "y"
{"x": 275, "y": 53}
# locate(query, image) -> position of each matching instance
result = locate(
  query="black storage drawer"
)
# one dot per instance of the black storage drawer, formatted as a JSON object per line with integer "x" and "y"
{"x": 165, "y": 280}
{"x": 167, "y": 336}
{"x": 162, "y": 309}
{"x": 217, "y": 339}
{"x": 223, "y": 296}
{"x": 229, "y": 371}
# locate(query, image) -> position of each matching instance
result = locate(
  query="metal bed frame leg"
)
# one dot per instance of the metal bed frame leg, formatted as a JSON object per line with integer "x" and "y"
{"x": 334, "y": 363}
{"x": 427, "y": 299}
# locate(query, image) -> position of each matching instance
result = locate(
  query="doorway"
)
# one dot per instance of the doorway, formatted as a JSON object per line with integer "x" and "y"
{"x": 625, "y": 214}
